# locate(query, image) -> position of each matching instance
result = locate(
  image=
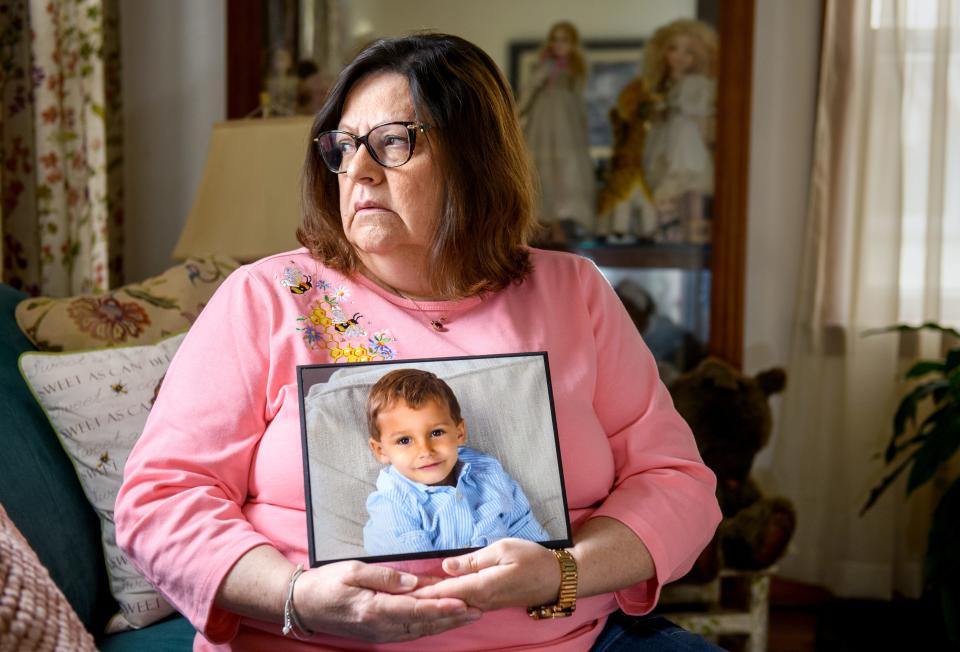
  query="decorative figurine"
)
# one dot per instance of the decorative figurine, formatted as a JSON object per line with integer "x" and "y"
{"x": 663, "y": 131}
{"x": 554, "y": 119}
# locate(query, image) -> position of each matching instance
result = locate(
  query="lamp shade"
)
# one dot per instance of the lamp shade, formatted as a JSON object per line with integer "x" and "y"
{"x": 248, "y": 202}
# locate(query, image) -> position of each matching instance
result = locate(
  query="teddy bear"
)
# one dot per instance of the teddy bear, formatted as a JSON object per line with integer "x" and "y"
{"x": 730, "y": 416}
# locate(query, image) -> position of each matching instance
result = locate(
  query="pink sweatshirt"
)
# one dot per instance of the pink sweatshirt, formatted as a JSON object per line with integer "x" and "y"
{"x": 218, "y": 469}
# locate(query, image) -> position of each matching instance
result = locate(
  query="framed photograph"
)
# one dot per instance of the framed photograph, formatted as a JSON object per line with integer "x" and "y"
{"x": 611, "y": 64}
{"x": 429, "y": 458}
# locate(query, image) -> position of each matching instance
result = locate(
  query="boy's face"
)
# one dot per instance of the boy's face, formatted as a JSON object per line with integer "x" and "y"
{"x": 421, "y": 443}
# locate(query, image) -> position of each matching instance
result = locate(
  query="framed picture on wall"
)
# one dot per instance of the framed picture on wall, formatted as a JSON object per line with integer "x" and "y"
{"x": 611, "y": 64}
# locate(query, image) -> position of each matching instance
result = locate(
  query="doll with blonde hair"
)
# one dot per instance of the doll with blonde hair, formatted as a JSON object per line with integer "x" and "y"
{"x": 555, "y": 127}
{"x": 663, "y": 132}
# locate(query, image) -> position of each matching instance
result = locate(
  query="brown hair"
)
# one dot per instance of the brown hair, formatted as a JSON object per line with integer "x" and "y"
{"x": 654, "y": 54}
{"x": 479, "y": 243}
{"x": 412, "y": 386}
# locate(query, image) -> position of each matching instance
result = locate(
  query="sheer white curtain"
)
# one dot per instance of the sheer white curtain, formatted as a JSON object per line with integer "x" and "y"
{"x": 882, "y": 246}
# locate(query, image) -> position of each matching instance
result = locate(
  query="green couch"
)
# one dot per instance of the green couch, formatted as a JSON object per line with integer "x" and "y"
{"x": 41, "y": 493}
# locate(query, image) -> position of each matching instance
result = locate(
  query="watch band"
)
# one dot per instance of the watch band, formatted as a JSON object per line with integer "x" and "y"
{"x": 567, "y": 600}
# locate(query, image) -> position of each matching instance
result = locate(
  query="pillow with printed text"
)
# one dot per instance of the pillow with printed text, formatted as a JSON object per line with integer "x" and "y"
{"x": 98, "y": 402}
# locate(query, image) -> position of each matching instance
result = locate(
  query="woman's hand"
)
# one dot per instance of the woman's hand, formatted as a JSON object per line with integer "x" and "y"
{"x": 374, "y": 603}
{"x": 507, "y": 573}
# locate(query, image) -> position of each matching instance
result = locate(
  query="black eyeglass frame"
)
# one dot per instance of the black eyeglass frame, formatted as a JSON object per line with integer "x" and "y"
{"x": 412, "y": 129}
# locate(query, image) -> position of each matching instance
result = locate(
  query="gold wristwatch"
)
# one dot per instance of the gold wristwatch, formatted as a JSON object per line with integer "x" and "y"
{"x": 567, "y": 600}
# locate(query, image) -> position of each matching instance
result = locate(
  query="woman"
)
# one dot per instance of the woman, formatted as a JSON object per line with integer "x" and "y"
{"x": 414, "y": 246}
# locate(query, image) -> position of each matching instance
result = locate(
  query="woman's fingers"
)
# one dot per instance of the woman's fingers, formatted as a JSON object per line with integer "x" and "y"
{"x": 416, "y": 629}
{"x": 406, "y": 618}
{"x": 380, "y": 578}
{"x": 472, "y": 562}
{"x": 508, "y": 573}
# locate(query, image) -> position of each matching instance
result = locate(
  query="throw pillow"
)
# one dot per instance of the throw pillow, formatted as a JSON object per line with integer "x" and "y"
{"x": 139, "y": 313}
{"x": 34, "y": 614}
{"x": 97, "y": 402}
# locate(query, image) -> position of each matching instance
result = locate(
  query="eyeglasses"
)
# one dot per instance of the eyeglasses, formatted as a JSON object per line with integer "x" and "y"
{"x": 390, "y": 144}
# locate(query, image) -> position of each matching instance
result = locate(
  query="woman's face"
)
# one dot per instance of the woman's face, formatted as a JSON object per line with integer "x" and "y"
{"x": 681, "y": 55}
{"x": 387, "y": 212}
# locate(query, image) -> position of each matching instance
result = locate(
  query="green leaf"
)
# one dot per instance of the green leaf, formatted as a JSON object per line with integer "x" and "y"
{"x": 954, "y": 379}
{"x": 942, "y": 443}
{"x": 888, "y": 480}
{"x": 940, "y": 394}
{"x": 953, "y": 360}
{"x": 907, "y": 410}
{"x": 905, "y": 328}
{"x": 943, "y": 542}
{"x": 152, "y": 299}
{"x": 895, "y": 449}
{"x": 923, "y": 368}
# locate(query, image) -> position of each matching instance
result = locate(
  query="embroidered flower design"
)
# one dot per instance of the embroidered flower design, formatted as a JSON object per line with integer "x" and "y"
{"x": 328, "y": 325}
{"x": 378, "y": 344}
{"x": 312, "y": 337}
{"x": 107, "y": 319}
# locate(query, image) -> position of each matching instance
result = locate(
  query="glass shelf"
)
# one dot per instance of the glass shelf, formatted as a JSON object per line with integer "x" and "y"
{"x": 648, "y": 255}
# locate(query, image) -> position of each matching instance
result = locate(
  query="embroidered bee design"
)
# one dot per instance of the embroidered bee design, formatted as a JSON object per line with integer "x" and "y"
{"x": 102, "y": 463}
{"x": 296, "y": 281}
{"x": 119, "y": 389}
{"x": 349, "y": 327}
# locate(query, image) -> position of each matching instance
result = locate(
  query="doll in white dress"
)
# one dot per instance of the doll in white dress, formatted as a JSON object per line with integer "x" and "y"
{"x": 554, "y": 119}
{"x": 679, "y": 67}
{"x": 660, "y": 181}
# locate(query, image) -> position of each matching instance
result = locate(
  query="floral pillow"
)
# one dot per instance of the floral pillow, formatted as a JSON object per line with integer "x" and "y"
{"x": 139, "y": 313}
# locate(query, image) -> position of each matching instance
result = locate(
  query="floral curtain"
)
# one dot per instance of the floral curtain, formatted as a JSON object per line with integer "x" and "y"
{"x": 60, "y": 146}
{"x": 882, "y": 246}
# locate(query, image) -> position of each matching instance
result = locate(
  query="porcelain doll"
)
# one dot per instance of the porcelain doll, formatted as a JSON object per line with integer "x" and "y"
{"x": 555, "y": 126}
{"x": 679, "y": 66}
{"x": 663, "y": 131}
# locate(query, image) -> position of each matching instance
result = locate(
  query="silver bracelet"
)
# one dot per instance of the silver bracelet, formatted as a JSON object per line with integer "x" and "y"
{"x": 291, "y": 622}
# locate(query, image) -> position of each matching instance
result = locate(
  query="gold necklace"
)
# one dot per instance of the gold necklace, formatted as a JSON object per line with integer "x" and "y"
{"x": 439, "y": 324}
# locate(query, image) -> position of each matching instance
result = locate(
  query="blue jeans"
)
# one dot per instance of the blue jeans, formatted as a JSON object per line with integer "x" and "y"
{"x": 625, "y": 633}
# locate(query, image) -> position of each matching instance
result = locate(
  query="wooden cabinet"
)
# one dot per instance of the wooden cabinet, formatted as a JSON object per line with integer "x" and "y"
{"x": 719, "y": 266}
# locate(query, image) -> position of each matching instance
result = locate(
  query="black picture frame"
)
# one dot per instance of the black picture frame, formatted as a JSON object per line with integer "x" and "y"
{"x": 340, "y": 471}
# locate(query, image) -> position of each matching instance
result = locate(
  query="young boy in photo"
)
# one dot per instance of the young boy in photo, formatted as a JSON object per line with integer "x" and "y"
{"x": 434, "y": 492}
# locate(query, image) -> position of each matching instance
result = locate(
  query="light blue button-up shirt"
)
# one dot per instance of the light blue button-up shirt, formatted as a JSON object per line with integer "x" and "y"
{"x": 485, "y": 505}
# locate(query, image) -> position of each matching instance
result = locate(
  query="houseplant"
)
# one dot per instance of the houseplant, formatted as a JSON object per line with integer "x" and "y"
{"x": 925, "y": 448}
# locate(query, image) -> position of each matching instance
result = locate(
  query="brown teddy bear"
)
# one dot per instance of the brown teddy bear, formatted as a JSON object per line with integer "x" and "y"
{"x": 729, "y": 414}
